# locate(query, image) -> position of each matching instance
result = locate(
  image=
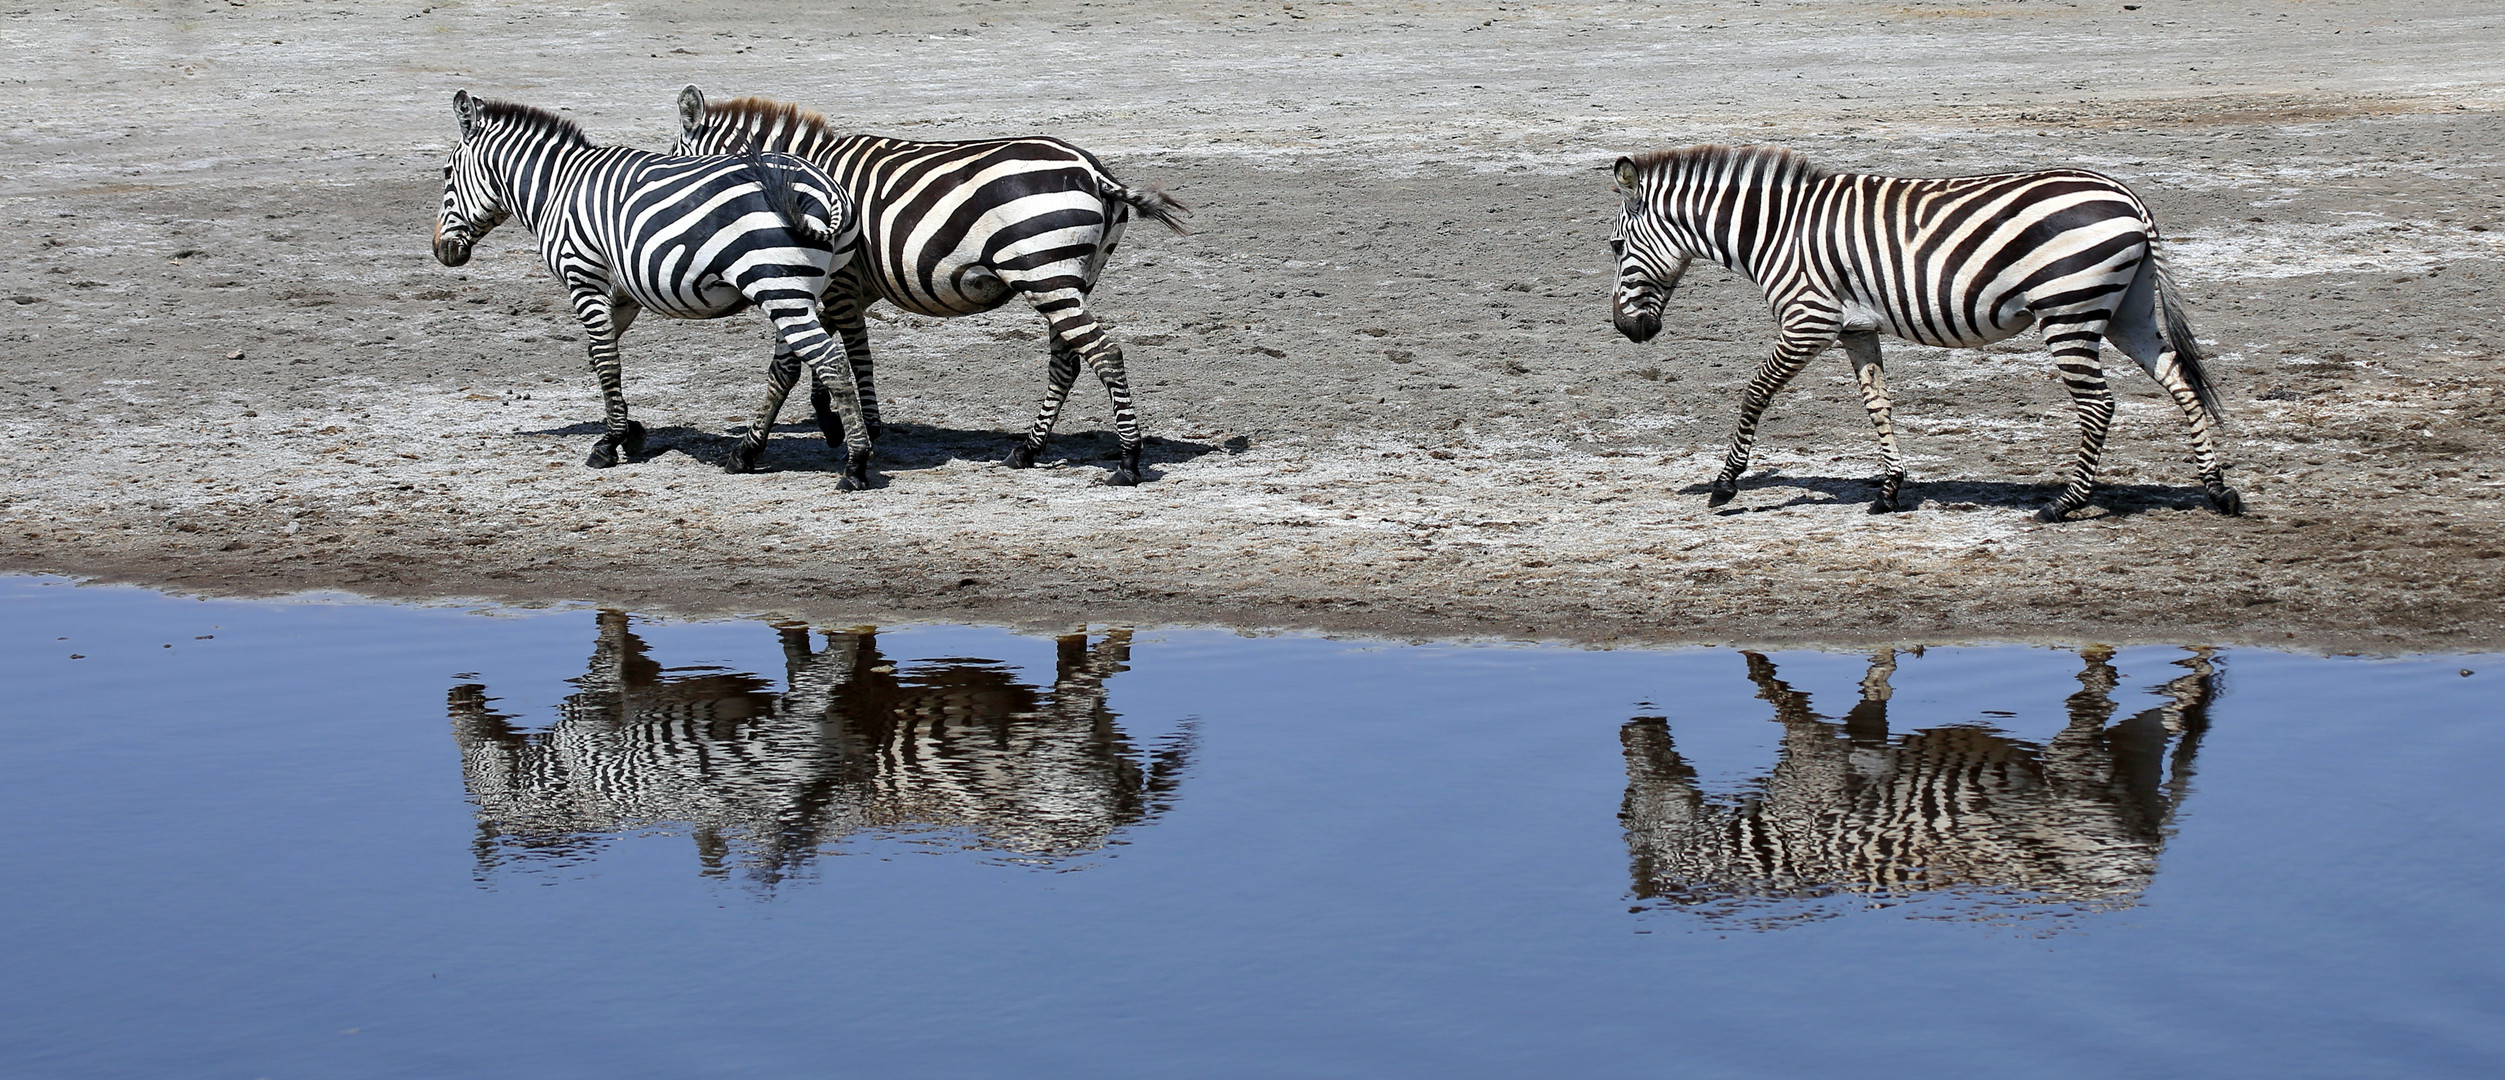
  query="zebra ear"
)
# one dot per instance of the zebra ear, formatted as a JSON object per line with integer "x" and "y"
{"x": 465, "y": 107}
{"x": 691, "y": 110}
{"x": 1627, "y": 177}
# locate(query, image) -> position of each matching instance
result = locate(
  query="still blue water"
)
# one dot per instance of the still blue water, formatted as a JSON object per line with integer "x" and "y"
{"x": 335, "y": 839}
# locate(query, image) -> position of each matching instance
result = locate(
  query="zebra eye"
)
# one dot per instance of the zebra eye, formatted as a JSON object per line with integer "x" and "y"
{"x": 1618, "y": 247}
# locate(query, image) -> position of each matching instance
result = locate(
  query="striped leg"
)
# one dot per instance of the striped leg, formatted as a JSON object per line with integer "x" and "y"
{"x": 2074, "y": 352}
{"x": 1064, "y": 371}
{"x": 846, "y": 302}
{"x": 1798, "y": 346}
{"x": 1863, "y": 347}
{"x": 780, "y": 374}
{"x": 604, "y": 322}
{"x": 2169, "y": 374}
{"x": 803, "y": 337}
{"x": 1076, "y": 334}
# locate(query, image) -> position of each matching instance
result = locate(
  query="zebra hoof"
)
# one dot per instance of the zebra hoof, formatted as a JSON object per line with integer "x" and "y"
{"x": 1722, "y": 494}
{"x": 634, "y": 438}
{"x": 743, "y": 459}
{"x": 1122, "y": 478}
{"x": 2226, "y": 501}
{"x": 2052, "y": 514}
{"x": 1021, "y": 456}
{"x": 602, "y": 456}
{"x": 1885, "y": 504}
{"x": 847, "y": 482}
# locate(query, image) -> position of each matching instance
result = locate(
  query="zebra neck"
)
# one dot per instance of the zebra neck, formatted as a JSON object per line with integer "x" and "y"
{"x": 533, "y": 174}
{"x": 1750, "y": 233}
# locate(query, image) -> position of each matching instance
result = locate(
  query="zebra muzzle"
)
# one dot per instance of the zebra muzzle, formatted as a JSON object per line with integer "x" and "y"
{"x": 1639, "y": 327}
{"x": 451, "y": 251}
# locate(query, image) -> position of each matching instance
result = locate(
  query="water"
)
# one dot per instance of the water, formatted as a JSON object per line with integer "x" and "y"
{"x": 348, "y": 840}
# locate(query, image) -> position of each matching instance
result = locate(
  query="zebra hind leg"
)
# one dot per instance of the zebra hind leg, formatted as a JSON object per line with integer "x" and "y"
{"x": 1863, "y": 348}
{"x": 2074, "y": 352}
{"x": 780, "y": 374}
{"x": 2169, "y": 373}
{"x": 843, "y": 316}
{"x": 1064, "y": 371}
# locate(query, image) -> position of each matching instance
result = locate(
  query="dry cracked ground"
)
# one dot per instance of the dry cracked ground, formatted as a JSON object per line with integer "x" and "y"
{"x": 1383, "y": 389}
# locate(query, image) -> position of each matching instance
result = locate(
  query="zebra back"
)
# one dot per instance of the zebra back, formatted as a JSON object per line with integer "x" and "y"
{"x": 935, "y": 212}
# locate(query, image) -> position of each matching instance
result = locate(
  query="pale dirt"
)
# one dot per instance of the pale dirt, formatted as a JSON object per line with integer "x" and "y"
{"x": 1383, "y": 389}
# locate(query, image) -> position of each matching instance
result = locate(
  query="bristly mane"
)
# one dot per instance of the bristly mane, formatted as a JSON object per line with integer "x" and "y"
{"x": 758, "y": 114}
{"x": 531, "y": 118}
{"x": 1710, "y": 155}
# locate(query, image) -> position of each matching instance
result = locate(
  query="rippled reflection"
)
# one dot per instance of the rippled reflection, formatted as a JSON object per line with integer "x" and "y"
{"x": 855, "y": 744}
{"x": 1991, "y": 823}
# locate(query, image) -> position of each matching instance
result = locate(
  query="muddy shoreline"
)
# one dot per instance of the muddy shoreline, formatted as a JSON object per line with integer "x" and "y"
{"x": 1384, "y": 395}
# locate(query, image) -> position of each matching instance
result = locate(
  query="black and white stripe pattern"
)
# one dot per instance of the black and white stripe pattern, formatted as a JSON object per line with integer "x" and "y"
{"x": 956, "y": 228}
{"x": 853, "y": 745}
{"x": 1959, "y": 261}
{"x": 627, "y": 231}
{"x": 1853, "y": 809}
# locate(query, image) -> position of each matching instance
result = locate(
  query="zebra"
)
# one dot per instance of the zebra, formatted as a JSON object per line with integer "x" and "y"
{"x": 852, "y": 745}
{"x": 958, "y": 228}
{"x": 1847, "y": 810}
{"x": 690, "y": 237}
{"x": 1959, "y": 261}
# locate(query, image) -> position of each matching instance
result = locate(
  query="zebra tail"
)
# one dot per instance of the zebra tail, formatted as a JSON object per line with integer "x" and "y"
{"x": 2187, "y": 352}
{"x": 1153, "y": 204}
{"x": 776, "y": 182}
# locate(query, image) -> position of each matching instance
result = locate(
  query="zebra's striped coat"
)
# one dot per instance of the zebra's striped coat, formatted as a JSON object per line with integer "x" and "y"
{"x": 957, "y": 228}
{"x": 851, "y": 746}
{"x": 1849, "y": 809}
{"x": 1960, "y": 261}
{"x": 625, "y": 231}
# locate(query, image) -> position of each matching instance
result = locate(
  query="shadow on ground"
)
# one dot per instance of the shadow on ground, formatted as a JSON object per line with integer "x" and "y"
{"x": 799, "y": 448}
{"x": 2110, "y": 500}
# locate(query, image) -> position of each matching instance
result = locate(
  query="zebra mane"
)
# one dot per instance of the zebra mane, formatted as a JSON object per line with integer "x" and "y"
{"x": 759, "y": 116}
{"x": 531, "y": 118}
{"x": 1714, "y": 156}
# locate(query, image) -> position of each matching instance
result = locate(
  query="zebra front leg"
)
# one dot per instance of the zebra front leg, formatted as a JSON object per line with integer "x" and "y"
{"x": 780, "y": 374}
{"x": 1063, "y": 372}
{"x": 1863, "y": 347}
{"x": 2213, "y": 472}
{"x": 604, "y": 322}
{"x": 1790, "y": 355}
{"x": 2094, "y": 401}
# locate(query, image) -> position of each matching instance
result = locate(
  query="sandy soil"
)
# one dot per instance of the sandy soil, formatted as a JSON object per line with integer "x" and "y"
{"x": 1385, "y": 395}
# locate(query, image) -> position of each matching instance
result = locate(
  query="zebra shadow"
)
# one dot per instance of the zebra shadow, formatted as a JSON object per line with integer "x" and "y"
{"x": 798, "y": 447}
{"x": 955, "y": 752}
{"x": 1958, "y": 821}
{"x": 2113, "y": 500}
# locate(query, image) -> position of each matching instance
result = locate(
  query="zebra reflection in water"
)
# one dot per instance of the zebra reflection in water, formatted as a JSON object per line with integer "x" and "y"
{"x": 2000, "y": 822}
{"x": 852, "y": 746}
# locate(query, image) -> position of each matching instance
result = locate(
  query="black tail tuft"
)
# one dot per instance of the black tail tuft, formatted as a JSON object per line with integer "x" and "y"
{"x": 1156, "y": 206}
{"x": 2187, "y": 351}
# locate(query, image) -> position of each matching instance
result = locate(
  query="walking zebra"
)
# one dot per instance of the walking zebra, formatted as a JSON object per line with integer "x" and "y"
{"x": 1959, "y": 261}
{"x": 689, "y": 237}
{"x": 1853, "y": 809}
{"x": 957, "y": 228}
{"x": 852, "y": 746}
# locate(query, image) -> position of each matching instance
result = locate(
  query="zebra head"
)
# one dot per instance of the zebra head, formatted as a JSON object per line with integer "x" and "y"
{"x": 472, "y": 204}
{"x": 1651, "y": 256}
